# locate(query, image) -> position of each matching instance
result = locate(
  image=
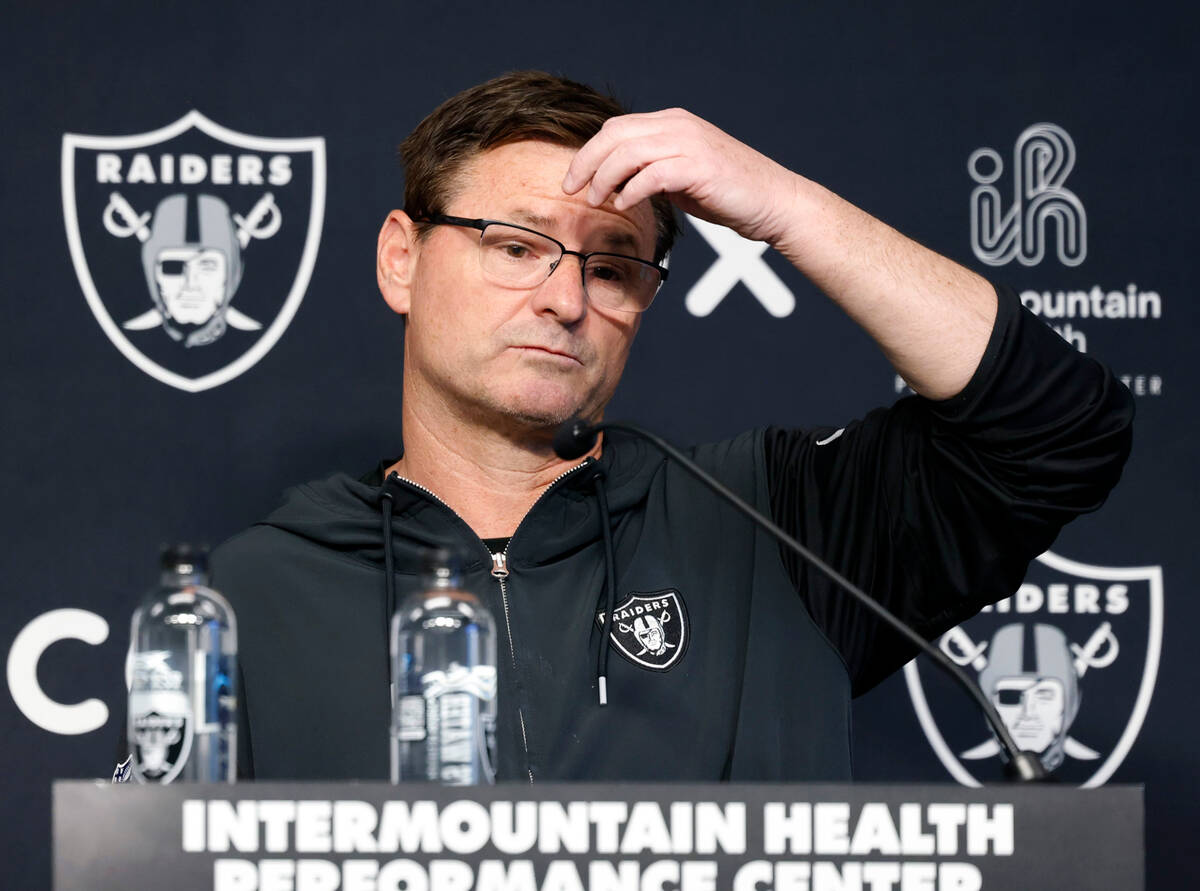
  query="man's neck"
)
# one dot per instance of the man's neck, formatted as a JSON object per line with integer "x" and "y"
{"x": 490, "y": 477}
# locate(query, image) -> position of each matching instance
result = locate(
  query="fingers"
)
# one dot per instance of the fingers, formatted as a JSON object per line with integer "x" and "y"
{"x": 703, "y": 170}
{"x": 668, "y": 175}
{"x": 615, "y": 133}
{"x": 625, "y": 161}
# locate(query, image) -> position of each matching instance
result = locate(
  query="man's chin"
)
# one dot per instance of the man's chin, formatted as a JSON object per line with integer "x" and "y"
{"x": 538, "y": 411}
{"x": 537, "y": 417}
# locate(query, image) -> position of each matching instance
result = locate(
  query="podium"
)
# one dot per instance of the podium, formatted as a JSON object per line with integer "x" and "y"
{"x": 274, "y": 836}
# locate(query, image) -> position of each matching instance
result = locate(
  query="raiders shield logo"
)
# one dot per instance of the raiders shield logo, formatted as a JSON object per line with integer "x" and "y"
{"x": 193, "y": 244}
{"x": 160, "y": 732}
{"x": 650, "y": 630}
{"x": 1070, "y": 663}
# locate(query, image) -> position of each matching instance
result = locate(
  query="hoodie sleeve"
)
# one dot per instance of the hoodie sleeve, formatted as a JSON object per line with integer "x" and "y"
{"x": 936, "y": 508}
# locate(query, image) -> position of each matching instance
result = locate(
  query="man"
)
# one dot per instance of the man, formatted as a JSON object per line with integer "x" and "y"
{"x": 535, "y": 226}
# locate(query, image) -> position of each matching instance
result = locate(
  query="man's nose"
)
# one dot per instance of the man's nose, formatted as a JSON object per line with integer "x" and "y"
{"x": 561, "y": 294}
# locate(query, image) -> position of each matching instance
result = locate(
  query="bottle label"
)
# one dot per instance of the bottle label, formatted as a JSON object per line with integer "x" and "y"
{"x": 479, "y": 681}
{"x": 457, "y": 730}
{"x": 160, "y": 719}
{"x": 410, "y": 723}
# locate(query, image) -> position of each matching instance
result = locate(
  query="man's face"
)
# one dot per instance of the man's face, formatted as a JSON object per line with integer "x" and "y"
{"x": 191, "y": 282}
{"x": 1033, "y": 710}
{"x": 535, "y": 356}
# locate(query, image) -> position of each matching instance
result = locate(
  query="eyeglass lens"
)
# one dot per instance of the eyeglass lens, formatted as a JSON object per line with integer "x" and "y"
{"x": 519, "y": 258}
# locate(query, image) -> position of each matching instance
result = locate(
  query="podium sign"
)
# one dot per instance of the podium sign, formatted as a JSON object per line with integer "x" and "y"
{"x": 614, "y": 837}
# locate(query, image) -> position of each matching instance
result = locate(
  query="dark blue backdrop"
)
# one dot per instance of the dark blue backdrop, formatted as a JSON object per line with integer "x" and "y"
{"x": 102, "y": 461}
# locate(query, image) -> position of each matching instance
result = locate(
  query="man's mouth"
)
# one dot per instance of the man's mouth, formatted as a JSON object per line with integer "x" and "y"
{"x": 538, "y": 350}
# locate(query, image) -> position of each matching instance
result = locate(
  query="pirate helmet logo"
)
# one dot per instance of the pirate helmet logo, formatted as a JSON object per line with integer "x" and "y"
{"x": 162, "y": 742}
{"x": 650, "y": 630}
{"x": 194, "y": 196}
{"x": 1070, "y": 634}
{"x": 649, "y": 633}
{"x": 192, "y": 276}
{"x": 1034, "y": 686}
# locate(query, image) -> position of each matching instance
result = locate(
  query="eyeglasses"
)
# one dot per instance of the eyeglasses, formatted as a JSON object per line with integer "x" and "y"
{"x": 516, "y": 257}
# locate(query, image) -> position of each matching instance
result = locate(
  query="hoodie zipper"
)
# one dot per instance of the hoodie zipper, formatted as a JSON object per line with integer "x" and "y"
{"x": 500, "y": 573}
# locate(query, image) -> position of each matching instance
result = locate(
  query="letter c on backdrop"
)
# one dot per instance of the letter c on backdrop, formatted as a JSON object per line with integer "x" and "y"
{"x": 27, "y": 649}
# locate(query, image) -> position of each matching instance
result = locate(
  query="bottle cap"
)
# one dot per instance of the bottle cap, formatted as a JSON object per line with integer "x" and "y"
{"x": 442, "y": 566}
{"x": 183, "y": 557}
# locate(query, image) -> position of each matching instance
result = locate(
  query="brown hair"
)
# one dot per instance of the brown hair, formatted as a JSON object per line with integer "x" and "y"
{"x": 515, "y": 107}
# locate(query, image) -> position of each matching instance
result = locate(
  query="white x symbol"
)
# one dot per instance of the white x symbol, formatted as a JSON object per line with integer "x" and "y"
{"x": 738, "y": 260}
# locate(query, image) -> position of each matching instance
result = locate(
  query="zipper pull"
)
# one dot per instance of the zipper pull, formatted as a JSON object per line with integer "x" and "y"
{"x": 500, "y": 565}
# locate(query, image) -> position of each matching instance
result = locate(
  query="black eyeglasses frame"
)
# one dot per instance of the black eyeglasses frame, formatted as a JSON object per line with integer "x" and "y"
{"x": 442, "y": 219}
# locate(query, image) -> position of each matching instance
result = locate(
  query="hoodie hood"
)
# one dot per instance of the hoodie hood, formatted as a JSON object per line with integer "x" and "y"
{"x": 344, "y": 514}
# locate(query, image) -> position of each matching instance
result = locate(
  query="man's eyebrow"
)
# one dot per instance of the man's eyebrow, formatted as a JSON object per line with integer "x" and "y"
{"x": 535, "y": 220}
{"x": 620, "y": 240}
{"x": 613, "y": 239}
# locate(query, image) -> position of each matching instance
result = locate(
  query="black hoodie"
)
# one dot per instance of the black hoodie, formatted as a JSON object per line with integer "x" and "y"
{"x": 936, "y": 508}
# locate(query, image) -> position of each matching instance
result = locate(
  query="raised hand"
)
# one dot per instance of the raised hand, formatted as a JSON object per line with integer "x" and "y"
{"x": 931, "y": 317}
{"x": 700, "y": 168}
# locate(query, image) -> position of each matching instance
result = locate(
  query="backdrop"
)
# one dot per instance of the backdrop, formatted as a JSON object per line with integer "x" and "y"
{"x": 1048, "y": 147}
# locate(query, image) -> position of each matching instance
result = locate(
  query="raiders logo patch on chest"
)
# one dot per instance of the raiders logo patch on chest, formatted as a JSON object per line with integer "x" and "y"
{"x": 650, "y": 630}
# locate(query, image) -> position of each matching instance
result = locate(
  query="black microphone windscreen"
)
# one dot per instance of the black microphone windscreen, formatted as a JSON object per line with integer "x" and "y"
{"x": 573, "y": 439}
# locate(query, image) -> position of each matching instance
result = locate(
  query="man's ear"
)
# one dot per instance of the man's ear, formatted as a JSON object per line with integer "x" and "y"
{"x": 395, "y": 258}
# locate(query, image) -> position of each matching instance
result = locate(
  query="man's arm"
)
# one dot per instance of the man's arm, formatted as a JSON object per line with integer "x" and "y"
{"x": 936, "y": 505}
{"x": 930, "y": 316}
{"x": 937, "y": 508}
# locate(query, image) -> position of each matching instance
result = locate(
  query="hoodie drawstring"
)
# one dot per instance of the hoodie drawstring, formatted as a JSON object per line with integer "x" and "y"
{"x": 610, "y": 587}
{"x": 389, "y": 602}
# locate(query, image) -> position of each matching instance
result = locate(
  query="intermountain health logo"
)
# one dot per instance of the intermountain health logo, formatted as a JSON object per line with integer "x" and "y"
{"x": 1044, "y": 216}
{"x": 1043, "y": 158}
{"x": 193, "y": 244}
{"x": 1070, "y": 662}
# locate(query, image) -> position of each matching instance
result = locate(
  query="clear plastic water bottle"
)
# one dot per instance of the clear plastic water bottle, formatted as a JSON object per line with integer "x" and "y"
{"x": 182, "y": 722}
{"x": 443, "y": 681}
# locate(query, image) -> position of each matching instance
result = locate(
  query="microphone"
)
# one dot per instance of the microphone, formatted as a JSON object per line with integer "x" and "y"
{"x": 574, "y": 439}
{"x": 576, "y": 436}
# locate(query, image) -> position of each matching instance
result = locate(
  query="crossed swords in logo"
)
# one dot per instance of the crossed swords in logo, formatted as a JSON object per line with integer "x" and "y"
{"x": 263, "y": 221}
{"x": 1100, "y": 651}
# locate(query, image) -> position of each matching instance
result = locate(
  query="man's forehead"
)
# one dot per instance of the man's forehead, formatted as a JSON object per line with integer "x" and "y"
{"x": 618, "y": 236}
{"x": 521, "y": 182}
